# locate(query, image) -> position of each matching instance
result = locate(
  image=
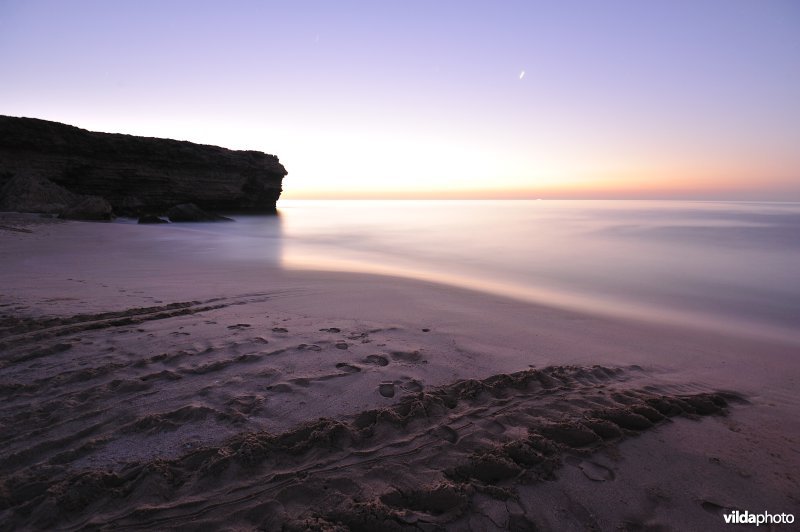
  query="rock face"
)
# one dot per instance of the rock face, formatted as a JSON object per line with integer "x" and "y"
{"x": 88, "y": 208}
{"x": 34, "y": 194}
{"x": 138, "y": 175}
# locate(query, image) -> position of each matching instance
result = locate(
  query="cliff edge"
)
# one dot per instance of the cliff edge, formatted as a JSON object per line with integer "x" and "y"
{"x": 137, "y": 175}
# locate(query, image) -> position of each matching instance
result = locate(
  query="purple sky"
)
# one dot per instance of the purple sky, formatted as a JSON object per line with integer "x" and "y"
{"x": 696, "y": 99}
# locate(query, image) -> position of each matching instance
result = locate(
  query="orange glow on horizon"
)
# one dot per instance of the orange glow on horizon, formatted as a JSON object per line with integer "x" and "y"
{"x": 713, "y": 187}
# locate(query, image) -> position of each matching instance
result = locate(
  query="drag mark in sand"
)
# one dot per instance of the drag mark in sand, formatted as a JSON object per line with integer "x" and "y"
{"x": 16, "y": 331}
{"x": 97, "y": 389}
{"x": 418, "y": 464}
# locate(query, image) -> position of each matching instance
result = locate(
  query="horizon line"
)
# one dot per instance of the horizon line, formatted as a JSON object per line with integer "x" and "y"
{"x": 428, "y": 198}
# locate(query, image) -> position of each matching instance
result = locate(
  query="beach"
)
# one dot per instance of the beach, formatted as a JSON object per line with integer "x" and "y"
{"x": 418, "y": 266}
{"x": 149, "y": 381}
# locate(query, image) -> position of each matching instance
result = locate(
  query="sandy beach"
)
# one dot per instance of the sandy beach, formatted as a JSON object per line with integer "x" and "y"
{"x": 151, "y": 383}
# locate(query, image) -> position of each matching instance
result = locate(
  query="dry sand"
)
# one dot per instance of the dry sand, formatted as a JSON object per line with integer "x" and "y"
{"x": 148, "y": 381}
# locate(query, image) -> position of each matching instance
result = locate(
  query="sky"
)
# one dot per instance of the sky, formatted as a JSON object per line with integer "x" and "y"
{"x": 689, "y": 99}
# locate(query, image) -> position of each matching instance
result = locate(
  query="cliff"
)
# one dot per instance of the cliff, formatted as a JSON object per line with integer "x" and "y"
{"x": 138, "y": 175}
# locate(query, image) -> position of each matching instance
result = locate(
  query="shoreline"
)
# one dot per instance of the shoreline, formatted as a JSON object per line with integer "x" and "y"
{"x": 168, "y": 345}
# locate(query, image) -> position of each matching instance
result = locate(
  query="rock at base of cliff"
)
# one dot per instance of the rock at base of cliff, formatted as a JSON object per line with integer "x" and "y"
{"x": 189, "y": 212}
{"x": 152, "y": 219}
{"x": 23, "y": 193}
{"x": 89, "y": 208}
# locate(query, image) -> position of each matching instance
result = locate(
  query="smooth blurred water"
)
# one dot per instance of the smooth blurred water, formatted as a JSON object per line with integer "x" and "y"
{"x": 726, "y": 265}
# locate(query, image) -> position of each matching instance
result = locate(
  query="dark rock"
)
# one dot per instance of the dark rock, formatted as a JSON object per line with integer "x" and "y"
{"x": 152, "y": 219}
{"x": 88, "y": 208}
{"x": 132, "y": 204}
{"x": 31, "y": 193}
{"x": 139, "y": 175}
{"x": 27, "y": 193}
{"x": 189, "y": 212}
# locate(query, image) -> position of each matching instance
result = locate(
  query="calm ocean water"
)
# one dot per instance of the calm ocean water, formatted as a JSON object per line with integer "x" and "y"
{"x": 724, "y": 265}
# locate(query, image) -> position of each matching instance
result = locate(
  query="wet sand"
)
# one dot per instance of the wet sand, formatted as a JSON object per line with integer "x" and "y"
{"x": 148, "y": 381}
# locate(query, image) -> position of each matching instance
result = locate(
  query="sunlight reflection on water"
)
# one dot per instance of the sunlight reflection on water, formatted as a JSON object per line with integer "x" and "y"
{"x": 721, "y": 264}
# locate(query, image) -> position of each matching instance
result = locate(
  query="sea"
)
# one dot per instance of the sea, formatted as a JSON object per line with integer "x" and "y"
{"x": 722, "y": 266}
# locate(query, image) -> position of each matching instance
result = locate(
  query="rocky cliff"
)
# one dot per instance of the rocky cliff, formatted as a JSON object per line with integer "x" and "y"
{"x": 138, "y": 175}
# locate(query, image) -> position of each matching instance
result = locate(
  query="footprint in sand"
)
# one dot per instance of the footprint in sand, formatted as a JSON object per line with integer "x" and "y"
{"x": 331, "y": 330}
{"x": 413, "y": 386}
{"x": 347, "y": 368}
{"x": 714, "y": 508}
{"x": 309, "y": 347}
{"x": 341, "y": 345}
{"x": 408, "y": 356}
{"x": 386, "y": 389}
{"x": 592, "y": 470}
{"x": 239, "y": 326}
{"x": 377, "y": 360}
{"x": 280, "y": 330}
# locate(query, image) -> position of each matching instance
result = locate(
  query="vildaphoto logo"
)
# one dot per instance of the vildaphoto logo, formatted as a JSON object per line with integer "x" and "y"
{"x": 746, "y": 518}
